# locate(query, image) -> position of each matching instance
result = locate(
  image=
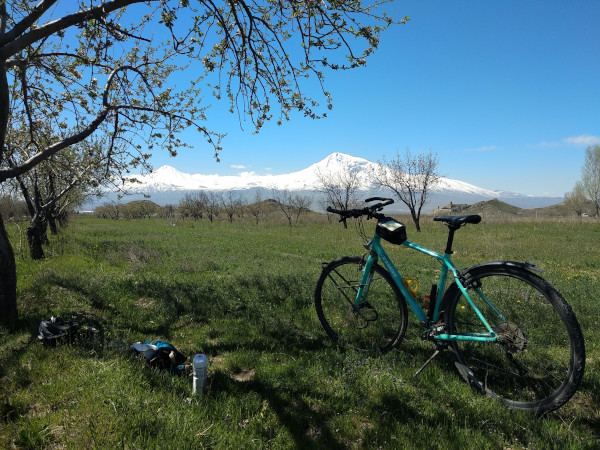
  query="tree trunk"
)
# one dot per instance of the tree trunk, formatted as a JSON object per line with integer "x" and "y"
{"x": 35, "y": 238}
{"x": 63, "y": 218}
{"x": 8, "y": 267}
{"x": 43, "y": 230}
{"x": 8, "y": 280}
{"x": 52, "y": 225}
{"x": 416, "y": 220}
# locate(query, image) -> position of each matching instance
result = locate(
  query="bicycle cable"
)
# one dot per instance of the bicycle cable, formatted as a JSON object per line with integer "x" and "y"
{"x": 360, "y": 229}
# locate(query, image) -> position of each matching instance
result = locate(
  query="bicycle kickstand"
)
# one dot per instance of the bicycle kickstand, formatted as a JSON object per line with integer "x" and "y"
{"x": 438, "y": 350}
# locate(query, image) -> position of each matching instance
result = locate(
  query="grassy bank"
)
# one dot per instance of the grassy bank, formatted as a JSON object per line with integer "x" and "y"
{"x": 242, "y": 294}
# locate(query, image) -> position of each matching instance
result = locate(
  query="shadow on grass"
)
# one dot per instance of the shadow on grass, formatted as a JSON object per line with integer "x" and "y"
{"x": 591, "y": 385}
{"x": 308, "y": 427}
{"x": 259, "y": 314}
{"x": 315, "y": 424}
{"x": 15, "y": 349}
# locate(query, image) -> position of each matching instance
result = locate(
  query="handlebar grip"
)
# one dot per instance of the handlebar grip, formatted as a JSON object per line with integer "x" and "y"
{"x": 384, "y": 201}
{"x": 348, "y": 212}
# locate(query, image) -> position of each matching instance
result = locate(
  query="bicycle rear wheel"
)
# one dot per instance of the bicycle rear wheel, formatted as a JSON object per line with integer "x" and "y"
{"x": 538, "y": 361}
{"x": 378, "y": 323}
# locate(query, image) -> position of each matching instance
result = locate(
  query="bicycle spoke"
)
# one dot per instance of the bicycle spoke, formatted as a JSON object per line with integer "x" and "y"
{"x": 530, "y": 364}
{"x": 376, "y": 324}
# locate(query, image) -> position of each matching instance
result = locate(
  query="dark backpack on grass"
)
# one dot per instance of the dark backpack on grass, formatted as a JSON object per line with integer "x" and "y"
{"x": 161, "y": 355}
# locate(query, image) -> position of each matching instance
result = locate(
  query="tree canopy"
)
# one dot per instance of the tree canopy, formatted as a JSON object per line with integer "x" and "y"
{"x": 80, "y": 66}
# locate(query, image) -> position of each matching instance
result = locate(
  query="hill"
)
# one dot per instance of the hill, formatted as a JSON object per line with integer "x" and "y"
{"x": 492, "y": 207}
{"x": 498, "y": 209}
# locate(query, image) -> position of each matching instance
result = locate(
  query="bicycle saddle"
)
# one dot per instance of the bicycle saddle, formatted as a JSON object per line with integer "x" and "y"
{"x": 458, "y": 221}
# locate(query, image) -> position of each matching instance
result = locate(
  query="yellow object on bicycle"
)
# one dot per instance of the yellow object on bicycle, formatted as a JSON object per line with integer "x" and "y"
{"x": 412, "y": 284}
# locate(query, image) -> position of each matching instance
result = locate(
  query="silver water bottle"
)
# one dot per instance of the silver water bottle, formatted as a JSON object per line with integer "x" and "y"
{"x": 200, "y": 366}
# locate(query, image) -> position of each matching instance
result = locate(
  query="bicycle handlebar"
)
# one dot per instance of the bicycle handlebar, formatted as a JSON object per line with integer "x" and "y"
{"x": 369, "y": 211}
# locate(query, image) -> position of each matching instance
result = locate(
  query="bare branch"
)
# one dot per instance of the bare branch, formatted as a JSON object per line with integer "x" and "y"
{"x": 410, "y": 179}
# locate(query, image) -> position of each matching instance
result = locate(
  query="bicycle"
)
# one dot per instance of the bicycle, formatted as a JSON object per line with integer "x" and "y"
{"x": 510, "y": 334}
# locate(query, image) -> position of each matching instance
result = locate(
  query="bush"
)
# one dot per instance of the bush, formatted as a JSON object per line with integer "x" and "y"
{"x": 12, "y": 208}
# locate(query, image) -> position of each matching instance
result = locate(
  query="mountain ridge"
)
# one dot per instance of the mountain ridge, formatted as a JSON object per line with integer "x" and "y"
{"x": 168, "y": 185}
{"x": 168, "y": 176}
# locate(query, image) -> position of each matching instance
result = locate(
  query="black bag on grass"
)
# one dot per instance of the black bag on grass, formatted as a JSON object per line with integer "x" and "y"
{"x": 55, "y": 331}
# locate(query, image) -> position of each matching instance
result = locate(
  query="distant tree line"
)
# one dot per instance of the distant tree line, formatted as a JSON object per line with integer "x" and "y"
{"x": 132, "y": 210}
{"x": 212, "y": 206}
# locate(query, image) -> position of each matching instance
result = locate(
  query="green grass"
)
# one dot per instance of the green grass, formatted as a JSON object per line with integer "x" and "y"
{"x": 242, "y": 294}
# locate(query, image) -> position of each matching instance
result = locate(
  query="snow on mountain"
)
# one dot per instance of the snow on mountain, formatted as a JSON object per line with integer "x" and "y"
{"x": 450, "y": 185}
{"x": 169, "y": 185}
{"x": 168, "y": 178}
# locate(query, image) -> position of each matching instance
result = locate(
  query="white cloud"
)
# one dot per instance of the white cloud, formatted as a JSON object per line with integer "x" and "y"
{"x": 485, "y": 148}
{"x": 548, "y": 144}
{"x": 584, "y": 139}
{"x": 237, "y": 166}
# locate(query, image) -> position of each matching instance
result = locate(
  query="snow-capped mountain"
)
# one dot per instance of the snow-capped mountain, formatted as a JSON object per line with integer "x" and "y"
{"x": 169, "y": 185}
{"x": 168, "y": 178}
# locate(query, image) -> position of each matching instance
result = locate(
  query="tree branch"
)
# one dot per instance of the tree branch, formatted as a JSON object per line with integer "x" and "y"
{"x": 27, "y": 21}
{"x": 56, "y": 147}
{"x": 10, "y": 47}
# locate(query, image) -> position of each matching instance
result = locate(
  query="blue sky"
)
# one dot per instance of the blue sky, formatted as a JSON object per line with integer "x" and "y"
{"x": 506, "y": 93}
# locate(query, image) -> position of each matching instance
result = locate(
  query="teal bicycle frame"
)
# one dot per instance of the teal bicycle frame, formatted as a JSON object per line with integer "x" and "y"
{"x": 377, "y": 252}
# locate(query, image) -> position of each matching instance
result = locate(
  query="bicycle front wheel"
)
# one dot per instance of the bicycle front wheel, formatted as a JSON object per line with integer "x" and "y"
{"x": 377, "y": 323}
{"x": 538, "y": 360}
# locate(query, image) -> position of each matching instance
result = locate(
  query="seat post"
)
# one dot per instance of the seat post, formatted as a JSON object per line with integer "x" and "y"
{"x": 450, "y": 239}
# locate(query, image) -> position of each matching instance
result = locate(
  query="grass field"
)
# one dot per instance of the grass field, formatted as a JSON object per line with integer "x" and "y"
{"x": 242, "y": 294}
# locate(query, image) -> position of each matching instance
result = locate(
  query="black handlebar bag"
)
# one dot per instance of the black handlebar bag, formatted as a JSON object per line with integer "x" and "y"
{"x": 391, "y": 230}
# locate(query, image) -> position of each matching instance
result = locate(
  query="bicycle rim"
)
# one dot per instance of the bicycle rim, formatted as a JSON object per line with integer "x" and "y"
{"x": 538, "y": 361}
{"x": 377, "y": 324}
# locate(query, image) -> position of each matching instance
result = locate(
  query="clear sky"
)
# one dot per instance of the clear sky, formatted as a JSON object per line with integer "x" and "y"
{"x": 507, "y": 93}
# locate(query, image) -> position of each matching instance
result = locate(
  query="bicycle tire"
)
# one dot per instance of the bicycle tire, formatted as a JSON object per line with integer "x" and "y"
{"x": 538, "y": 362}
{"x": 378, "y": 324}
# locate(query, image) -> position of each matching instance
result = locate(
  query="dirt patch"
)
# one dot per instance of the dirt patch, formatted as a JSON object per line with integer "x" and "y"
{"x": 244, "y": 375}
{"x": 145, "y": 303}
